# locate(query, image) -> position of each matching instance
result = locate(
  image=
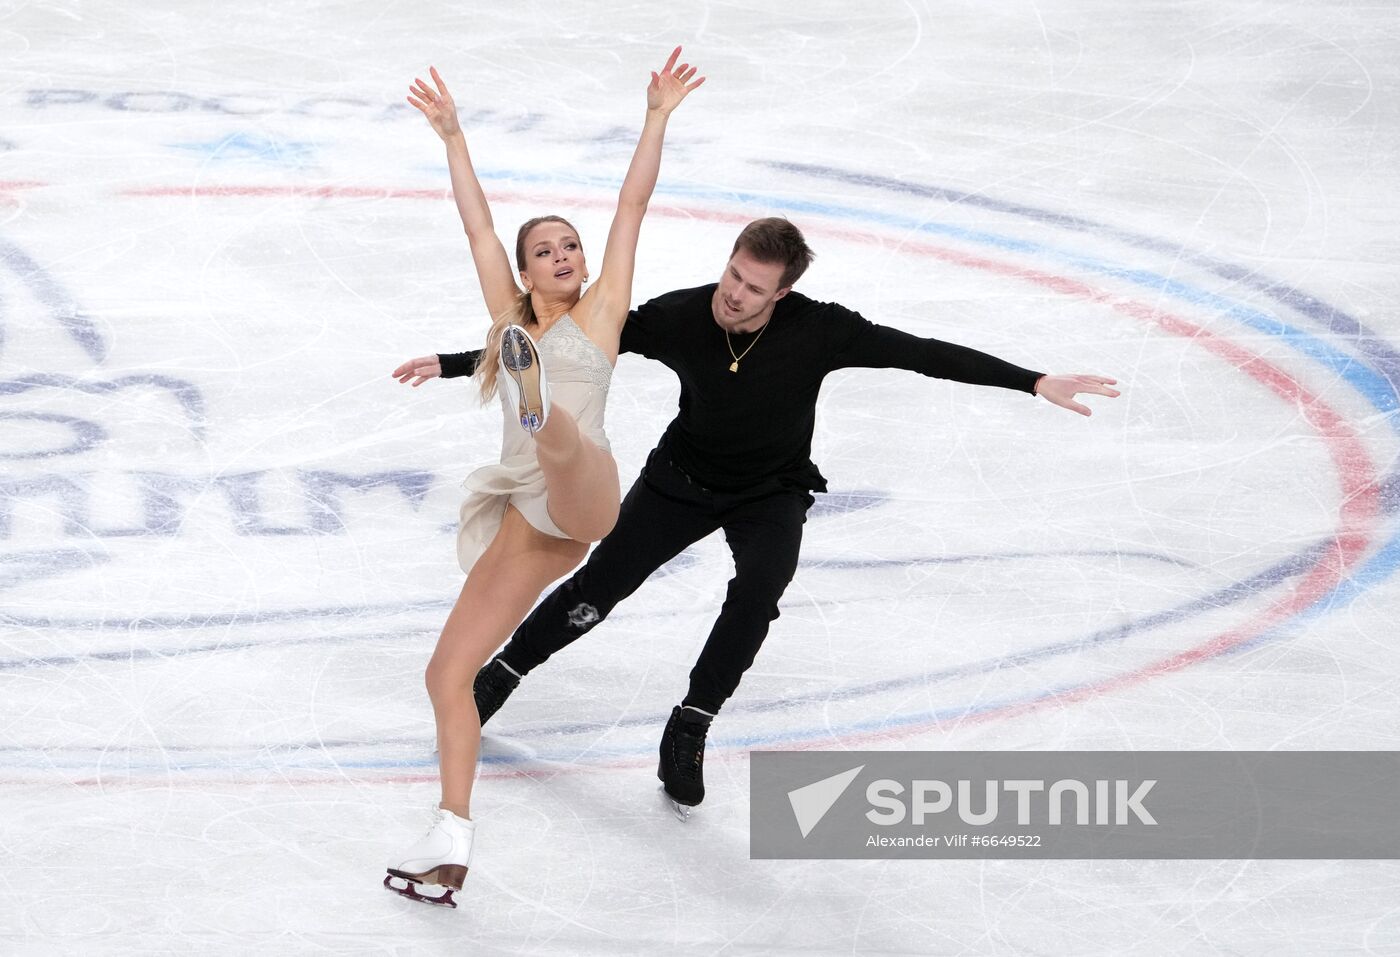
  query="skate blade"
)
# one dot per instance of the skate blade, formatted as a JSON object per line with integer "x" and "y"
{"x": 681, "y": 811}
{"x": 530, "y": 408}
{"x": 520, "y": 361}
{"x": 410, "y": 890}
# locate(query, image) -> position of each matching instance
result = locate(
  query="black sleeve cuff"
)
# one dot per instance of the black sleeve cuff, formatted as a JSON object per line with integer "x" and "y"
{"x": 458, "y": 364}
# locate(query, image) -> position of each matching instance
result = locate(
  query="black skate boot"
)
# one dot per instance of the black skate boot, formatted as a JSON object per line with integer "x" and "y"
{"x": 492, "y": 687}
{"x": 682, "y": 767}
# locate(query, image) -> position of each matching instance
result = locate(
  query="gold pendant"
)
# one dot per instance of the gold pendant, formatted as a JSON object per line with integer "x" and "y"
{"x": 734, "y": 366}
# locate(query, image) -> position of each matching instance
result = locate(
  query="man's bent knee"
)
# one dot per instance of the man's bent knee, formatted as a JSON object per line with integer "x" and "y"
{"x": 762, "y": 585}
{"x": 574, "y": 611}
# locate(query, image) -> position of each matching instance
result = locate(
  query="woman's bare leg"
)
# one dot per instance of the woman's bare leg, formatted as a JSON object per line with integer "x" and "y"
{"x": 510, "y": 575}
{"x": 582, "y": 478}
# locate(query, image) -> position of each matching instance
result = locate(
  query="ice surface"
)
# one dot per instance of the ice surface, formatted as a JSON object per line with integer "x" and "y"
{"x": 226, "y": 532}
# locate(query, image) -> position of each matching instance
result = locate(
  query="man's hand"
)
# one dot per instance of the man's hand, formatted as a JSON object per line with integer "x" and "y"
{"x": 1061, "y": 390}
{"x": 420, "y": 370}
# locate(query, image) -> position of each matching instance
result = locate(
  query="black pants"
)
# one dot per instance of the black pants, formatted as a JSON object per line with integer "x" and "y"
{"x": 665, "y": 512}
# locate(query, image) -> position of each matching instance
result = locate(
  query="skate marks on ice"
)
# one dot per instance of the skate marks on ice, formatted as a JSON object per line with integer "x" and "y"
{"x": 1300, "y": 339}
{"x": 518, "y": 740}
{"x": 1317, "y": 564}
{"x": 860, "y": 649}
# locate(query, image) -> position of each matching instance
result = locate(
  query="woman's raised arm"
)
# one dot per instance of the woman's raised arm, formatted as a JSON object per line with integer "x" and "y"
{"x": 493, "y": 267}
{"x": 612, "y": 294}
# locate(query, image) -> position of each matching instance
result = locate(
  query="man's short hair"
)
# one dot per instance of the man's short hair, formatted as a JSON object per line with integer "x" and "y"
{"x": 775, "y": 240}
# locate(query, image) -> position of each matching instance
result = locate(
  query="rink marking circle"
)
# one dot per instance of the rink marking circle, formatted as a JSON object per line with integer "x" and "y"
{"x": 1359, "y": 511}
{"x": 1360, "y": 502}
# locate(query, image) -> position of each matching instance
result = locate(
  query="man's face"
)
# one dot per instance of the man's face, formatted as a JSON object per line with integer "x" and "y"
{"x": 747, "y": 292}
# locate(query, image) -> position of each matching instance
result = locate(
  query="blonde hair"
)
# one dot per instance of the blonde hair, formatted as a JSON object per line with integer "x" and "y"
{"x": 521, "y": 313}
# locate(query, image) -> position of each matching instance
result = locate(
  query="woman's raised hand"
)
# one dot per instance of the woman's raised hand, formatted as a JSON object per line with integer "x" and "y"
{"x": 437, "y": 104}
{"x": 671, "y": 85}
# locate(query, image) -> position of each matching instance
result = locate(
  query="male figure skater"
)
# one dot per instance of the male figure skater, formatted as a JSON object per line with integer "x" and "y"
{"x": 751, "y": 355}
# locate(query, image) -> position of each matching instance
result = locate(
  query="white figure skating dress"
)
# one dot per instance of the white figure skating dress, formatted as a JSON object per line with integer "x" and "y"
{"x": 579, "y": 375}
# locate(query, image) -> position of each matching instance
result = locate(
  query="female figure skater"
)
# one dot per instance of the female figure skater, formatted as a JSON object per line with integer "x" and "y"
{"x": 529, "y": 520}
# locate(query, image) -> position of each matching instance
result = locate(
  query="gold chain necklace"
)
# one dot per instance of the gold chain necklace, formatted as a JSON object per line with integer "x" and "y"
{"x": 734, "y": 366}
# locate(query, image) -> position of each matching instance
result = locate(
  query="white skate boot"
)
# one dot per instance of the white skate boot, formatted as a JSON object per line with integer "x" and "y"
{"x": 441, "y": 857}
{"x": 523, "y": 375}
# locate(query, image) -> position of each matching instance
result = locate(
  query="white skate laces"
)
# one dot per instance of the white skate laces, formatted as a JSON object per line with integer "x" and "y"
{"x": 523, "y": 373}
{"x": 442, "y": 857}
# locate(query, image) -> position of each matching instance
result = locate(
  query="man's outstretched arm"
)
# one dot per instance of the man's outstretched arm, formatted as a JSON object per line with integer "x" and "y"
{"x": 873, "y": 346}
{"x": 448, "y": 365}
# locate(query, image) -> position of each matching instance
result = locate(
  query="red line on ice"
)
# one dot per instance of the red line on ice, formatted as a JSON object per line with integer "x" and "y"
{"x": 1358, "y": 514}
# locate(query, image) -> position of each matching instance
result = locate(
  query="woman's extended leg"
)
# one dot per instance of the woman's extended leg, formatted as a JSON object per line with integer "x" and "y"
{"x": 581, "y": 477}
{"x": 510, "y": 575}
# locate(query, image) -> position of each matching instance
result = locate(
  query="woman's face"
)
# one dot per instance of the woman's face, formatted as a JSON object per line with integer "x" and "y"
{"x": 554, "y": 263}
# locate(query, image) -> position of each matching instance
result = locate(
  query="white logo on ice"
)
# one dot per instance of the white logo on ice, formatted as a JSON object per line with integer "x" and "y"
{"x": 810, "y": 803}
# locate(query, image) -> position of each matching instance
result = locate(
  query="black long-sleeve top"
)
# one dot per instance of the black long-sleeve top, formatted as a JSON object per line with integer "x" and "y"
{"x": 740, "y": 430}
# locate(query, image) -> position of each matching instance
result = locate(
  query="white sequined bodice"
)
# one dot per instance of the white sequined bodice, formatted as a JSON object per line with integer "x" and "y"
{"x": 568, "y": 347}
